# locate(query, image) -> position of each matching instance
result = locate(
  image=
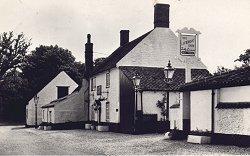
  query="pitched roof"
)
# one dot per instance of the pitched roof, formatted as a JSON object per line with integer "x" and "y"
{"x": 152, "y": 78}
{"x": 58, "y": 101}
{"x": 118, "y": 54}
{"x": 233, "y": 78}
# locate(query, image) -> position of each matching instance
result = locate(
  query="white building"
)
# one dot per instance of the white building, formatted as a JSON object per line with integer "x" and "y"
{"x": 221, "y": 105}
{"x": 58, "y": 87}
{"x": 70, "y": 109}
{"x": 112, "y": 96}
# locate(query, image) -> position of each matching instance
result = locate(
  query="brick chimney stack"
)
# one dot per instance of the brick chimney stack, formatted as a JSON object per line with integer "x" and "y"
{"x": 88, "y": 57}
{"x": 161, "y": 15}
{"x": 124, "y": 37}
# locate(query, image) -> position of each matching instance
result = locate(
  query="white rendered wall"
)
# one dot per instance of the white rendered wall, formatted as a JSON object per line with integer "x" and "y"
{"x": 46, "y": 117}
{"x": 235, "y": 94}
{"x": 73, "y": 109}
{"x": 156, "y": 49}
{"x": 113, "y": 96}
{"x": 48, "y": 94}
{"x": 201, "y": 102}
{"x": 234, "y": 120}
{"x": 150, "y": 99}
{"x": 176, "y": 114}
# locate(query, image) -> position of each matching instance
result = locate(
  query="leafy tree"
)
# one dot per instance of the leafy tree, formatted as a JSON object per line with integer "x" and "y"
{"x": 44, "y": 63}
{"x": 245, "y": 58}
{"x": 161, "y": 105}
{"x": 11, "y": 103}
{"x": 99, "y": 61}
{"x": 12, "y": 52}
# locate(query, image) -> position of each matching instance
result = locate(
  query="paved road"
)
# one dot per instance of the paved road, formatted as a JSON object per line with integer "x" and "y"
{"x": 29, "y": 141}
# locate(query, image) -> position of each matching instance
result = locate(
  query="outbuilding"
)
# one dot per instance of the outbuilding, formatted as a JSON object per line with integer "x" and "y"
{"x": 220, "y": 106}
{"x": 60, "y": 86}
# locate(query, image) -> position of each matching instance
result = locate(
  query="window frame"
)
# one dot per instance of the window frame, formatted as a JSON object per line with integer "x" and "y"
{"x": 93, "y": 84}
{"x": 108, "y": 80}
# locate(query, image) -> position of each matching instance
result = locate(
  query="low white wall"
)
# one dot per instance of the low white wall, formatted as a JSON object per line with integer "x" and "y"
{"x": 233, "y": 120}
{"x": 200, "y": 110}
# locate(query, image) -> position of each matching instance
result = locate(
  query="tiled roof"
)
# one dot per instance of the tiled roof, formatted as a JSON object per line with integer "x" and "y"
{"x": 233, "y": 78}
{"x": 57, "y": 101}
{"x": 152, "y": 78}
{"x": 118, "y": 54}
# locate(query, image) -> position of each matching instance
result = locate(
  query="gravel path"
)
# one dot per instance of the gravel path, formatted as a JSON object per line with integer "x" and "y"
{"x": 29, "y": 141}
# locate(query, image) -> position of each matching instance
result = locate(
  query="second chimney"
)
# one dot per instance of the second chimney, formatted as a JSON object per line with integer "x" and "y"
{"x": 161, "y": 15}
{"x": 88, "y": 57}
{"x": 124, "y": 37}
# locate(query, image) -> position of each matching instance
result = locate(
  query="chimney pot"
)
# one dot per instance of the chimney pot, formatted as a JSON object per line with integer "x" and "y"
{"x": 161, "y": 15}
{"x": 124, "y": 37}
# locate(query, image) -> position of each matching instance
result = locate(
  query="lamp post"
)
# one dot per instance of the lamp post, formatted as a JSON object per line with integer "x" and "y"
{"x": 168, "y": 72}
{"x": 36, "y": 99}
{"x": 136, "y": 82}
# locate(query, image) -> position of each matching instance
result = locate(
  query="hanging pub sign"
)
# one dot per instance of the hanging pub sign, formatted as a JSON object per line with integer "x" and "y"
{"x": 188, "y": 41}
{"x": 188, "y": 44}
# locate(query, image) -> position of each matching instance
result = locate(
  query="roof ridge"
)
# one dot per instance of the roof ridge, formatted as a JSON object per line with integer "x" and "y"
{"x": 118, "y": 54}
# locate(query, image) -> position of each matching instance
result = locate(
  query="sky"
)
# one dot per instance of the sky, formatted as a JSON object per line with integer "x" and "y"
{"x": 224, "y": 24}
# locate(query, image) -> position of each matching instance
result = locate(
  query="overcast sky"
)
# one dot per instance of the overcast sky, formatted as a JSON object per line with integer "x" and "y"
{"x": 224, "y": 24}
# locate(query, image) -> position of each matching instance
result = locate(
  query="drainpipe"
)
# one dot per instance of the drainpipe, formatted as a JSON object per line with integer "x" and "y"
{"x": 141, "y": 103}
{"x": 212, "y": 115}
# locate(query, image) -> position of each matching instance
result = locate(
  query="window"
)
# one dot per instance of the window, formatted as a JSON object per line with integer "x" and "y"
{"x": 43, "y": 113}
{"x": 107, "y": 80}
{"x": 50, "y": 116}
{"x": 99, "y": 90}
{"x": 107, "y": 111}
{"x": 62, "y": 91}
{"x": 93, "y": 83}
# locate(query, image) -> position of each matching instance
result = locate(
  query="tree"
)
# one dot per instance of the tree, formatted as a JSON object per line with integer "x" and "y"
{"x": 245, "y": 58}
{"x": 12, "y": 52}
{"x": 11, "y": 103}
{"x": 44, "y": 63}
{"x": 99, "y": 61}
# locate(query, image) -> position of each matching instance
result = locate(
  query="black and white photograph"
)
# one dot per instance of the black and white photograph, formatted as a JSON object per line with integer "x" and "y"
{"x": 124, "y": 77}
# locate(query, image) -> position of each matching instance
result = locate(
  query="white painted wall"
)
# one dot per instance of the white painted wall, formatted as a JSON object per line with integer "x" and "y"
{"x": 200, "y": 110}
{"x": 150, "y": 99}
{"x": 113, "y": 96}
{"x": 46, "y": 117}
{"x": 48, "y": 94}
{"x": 73, "y": 109}
{"x": 235, "y": 94}
{"x": 233, "y": 121}
{"x": 176, "y": 114}
{"x": 156, "y": 49}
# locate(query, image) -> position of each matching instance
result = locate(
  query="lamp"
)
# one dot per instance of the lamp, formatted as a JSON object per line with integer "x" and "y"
{"x": 36, "y": 100}
{"x": 169, "y": 73}
{"x": 136, "y": 82}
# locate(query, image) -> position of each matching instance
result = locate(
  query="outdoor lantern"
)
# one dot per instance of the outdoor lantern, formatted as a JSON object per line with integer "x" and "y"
{"x": 136, "y": 80}
{"x": 169, "y": 71}
{"x": 36, "y": 98}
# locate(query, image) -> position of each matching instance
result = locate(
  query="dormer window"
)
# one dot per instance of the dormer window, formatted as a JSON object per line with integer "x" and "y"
{"x": 62, "y": 91}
